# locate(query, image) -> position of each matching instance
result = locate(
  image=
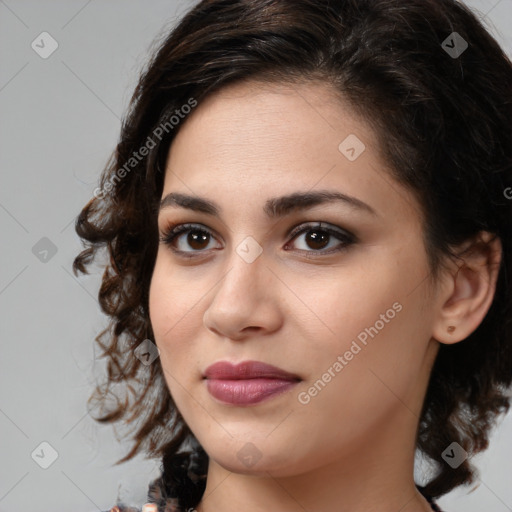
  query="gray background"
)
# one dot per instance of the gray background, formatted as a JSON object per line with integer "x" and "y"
{"x": 59, "y": 121}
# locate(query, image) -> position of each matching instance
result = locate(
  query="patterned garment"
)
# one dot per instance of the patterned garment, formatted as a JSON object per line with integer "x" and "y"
{"x": 159, "y": 502}
{"x": 172, "y": 508}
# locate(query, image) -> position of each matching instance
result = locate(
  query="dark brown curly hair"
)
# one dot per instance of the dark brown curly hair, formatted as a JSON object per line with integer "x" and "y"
{"x": 443, "y": 120}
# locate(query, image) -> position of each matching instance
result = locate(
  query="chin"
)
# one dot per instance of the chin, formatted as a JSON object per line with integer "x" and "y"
{"x": 253, "y": 455}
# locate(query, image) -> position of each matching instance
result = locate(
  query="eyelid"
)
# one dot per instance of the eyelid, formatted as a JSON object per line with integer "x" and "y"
{"x": 177, "y": 229}
{"x": 174, "y": 231}
{"x": 320, "y": 225}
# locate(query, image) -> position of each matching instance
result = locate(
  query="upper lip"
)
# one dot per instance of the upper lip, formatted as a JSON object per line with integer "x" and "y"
{"x": 246, "y": 370}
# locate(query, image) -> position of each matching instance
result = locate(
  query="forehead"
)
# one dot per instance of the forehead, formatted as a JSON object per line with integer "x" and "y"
{"x": 268, "y": 139}
{"x": 253, "y": 111}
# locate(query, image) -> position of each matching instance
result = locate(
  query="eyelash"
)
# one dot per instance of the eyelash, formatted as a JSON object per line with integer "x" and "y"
{"x": 172, "y": 233}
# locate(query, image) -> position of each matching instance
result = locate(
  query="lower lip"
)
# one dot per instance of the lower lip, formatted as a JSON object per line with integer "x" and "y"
{"x": 247, "y": 392}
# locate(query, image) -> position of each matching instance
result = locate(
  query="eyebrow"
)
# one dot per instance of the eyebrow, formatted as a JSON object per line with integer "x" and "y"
{"x": 274, "y": 208}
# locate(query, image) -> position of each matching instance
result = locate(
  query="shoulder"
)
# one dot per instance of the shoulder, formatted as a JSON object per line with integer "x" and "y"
{"x": 120, "y": 507}
{"x": 435, "y": 507}
{"x": 157, "y": 500}
{"x": 123, "y": 508}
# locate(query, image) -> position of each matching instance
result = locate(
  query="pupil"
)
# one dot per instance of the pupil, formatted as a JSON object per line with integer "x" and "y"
{"x": 316, "y": 238}
{"x": 194, "y": 237}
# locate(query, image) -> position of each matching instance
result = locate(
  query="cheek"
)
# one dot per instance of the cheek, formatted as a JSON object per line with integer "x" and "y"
{"x": 347, "y": 399}
{"x": 174, "y": 314}
{"x": 172, "y": 297}
{"x": 379, "y": 328}
{"x": 343, "y": 304}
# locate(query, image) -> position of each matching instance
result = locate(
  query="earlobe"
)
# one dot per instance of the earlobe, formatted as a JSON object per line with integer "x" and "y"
{"x": 469, "y": 291}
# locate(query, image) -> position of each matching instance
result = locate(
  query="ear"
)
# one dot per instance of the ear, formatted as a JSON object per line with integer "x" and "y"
{"x": 467, "y": 289}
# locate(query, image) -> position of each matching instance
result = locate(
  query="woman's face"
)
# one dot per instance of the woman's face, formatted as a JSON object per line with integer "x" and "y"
{"x": 344, "y": 311}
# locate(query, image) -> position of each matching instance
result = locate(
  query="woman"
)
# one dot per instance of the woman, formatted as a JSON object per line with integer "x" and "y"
{"x": 309, "y": 226}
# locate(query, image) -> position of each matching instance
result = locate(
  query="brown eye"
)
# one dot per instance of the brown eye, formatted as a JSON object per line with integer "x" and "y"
{"x": 197, "y": 238}
{"x": 319, "y": 237}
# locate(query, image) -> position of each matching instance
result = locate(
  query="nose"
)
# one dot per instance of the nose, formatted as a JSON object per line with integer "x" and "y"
{"x": 245, "y": 302}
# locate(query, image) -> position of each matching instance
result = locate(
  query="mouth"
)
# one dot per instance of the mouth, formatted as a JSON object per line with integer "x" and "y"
{"x": 247, "y": 383}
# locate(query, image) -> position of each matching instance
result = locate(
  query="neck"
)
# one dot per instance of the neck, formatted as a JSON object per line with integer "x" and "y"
{"x": 376, "y": 476}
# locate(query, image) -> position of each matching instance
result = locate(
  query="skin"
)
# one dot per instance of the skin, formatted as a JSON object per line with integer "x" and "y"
{"x": 351, "y": 447}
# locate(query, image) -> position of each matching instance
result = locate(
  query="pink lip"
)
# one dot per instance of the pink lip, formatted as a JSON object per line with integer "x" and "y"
{"x": 246, "y": 383}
